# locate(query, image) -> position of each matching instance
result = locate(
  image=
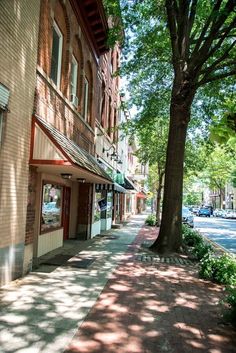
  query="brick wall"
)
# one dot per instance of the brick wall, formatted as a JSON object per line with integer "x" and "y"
{"x": 52, "y": 103}
{"x": 18, "y": 48}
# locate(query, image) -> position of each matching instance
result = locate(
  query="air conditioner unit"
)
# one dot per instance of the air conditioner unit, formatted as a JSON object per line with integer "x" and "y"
{"x": 74, "y": 100}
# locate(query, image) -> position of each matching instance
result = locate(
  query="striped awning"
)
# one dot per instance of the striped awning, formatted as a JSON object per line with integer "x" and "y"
{"x": 111, "y": 187}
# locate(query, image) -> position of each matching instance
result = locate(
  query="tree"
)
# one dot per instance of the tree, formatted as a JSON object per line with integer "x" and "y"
{"x": 218, "y": 170}
{"x": 223, "y": 129}
{"x": 152, "y": 140}
{"x": 197, "y": 37}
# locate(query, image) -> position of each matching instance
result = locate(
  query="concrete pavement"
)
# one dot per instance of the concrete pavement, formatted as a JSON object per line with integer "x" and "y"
{"x": 126, "y": 301}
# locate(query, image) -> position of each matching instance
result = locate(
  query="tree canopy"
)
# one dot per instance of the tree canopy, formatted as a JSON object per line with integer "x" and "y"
{"x": 180, "y": 53}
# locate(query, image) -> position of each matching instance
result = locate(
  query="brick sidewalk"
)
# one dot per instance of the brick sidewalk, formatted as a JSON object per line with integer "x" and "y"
{"x": 155, "y": 308}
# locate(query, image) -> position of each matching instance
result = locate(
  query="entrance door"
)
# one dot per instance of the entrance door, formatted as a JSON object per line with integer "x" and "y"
{"x": 66, "y": 212}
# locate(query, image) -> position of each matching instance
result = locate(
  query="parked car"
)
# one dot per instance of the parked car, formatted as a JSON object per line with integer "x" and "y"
{"x": 229, "y": 214}
{"x": 204, "y": 211}
{"x": 218, "y": 212}
{"x": 187, "y": 217}
{"x": 195, "y": 210}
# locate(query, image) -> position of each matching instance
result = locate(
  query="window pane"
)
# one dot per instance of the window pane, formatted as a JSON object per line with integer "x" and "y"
{"x": 109, "y": 204}
{"x": 86, "y": 98}
{"x": 74, "y": 75}
{"x": 51, "y": 207}
{"x": 56, "y": 55}
{"x": 97, "y": 210}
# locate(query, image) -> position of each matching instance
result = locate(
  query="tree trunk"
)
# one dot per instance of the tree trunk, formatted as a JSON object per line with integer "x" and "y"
{"x": 158, "y": 199}
{"x": 170, "y": 235}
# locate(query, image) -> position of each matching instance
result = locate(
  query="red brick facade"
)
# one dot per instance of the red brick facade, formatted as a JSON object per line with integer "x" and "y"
{"x": 54, "y": 104}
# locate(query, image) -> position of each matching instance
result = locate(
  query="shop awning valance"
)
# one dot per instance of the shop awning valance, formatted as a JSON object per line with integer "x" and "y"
{"x": 52, "y": 152}
{"x": 128, "y": 184}
{"x": 141, "y": 195}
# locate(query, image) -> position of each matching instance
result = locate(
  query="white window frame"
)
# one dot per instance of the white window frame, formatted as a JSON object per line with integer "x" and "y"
{"x": 57, "y": 30}
{"x": 86, "y": 98}
{"x": 74, "y": 76}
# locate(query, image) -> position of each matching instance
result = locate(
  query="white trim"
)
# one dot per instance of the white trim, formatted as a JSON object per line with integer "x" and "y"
{"x": 73, "y": 76}
{"x": 1, "y": 126}
{"x": 86, "y": 98}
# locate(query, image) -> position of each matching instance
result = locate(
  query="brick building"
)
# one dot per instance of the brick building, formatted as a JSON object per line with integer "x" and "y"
{"x": 68, "y": 105}
{"x": 53, "y": 111}
{"x": 19, "y": 23}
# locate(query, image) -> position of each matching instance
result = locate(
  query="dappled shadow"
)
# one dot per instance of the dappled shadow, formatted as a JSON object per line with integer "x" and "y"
{"x": 155, "y": 308}
{"x": 42, "y": 312}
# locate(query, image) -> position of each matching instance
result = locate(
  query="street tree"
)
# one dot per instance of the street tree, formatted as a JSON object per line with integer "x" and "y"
{"x": 184, "y": 47}
{"x": 152, "y": 142}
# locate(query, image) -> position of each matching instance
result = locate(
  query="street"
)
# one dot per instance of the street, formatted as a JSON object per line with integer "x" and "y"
{"x": 221, "y": 231}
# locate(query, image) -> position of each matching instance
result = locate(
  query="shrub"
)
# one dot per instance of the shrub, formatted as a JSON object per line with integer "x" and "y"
{"x": 219, "y": 269}
{"x": 202, "y": 249}
{"x": 191, "y": 237}
{"x": 207, "y": 265}
{"x": 194, "y": 240}
{"x": 151, "y": 220}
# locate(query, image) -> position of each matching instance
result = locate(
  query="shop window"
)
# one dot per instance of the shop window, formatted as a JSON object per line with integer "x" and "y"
{"x": 73, "y": 82}
{"x": 86, "y": 98}
{"x": 110, "y": 119}
{"x": 109, "y": 204}
{"x": 51, "y": 211}
{"x": 56, "y": 58}
{"x": 97, "y": 209}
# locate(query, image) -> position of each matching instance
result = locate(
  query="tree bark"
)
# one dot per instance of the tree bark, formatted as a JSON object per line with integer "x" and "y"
{"x": 158, "y": 199}
{"x": 170, "y": 235}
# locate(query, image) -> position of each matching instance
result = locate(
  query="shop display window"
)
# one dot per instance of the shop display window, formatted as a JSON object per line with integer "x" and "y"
{"x": 97, "y": 209}
{"x": 51, "y": 211}
{"x": 109, "y": 204}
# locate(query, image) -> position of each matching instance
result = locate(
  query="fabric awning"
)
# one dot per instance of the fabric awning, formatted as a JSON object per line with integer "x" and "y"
{"x": 141, "y": 195}
{"x": 119, "y": 188}
{"x": 54, "y": 152}
{"x": 111, "y": 187}
{"x": 128, "y": 184}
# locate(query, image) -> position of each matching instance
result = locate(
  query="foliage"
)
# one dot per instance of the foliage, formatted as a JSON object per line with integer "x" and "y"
{"x": 192, "y": 198}
{"x": 151, "y": 220}
{"x": 194, "y": 240}
{"x": 113, "y": 11}
{"x": 220, "y": 269}
{"x": 190, "y": 236}
{"x": 223, "y": 129}
{"x": 218, "y": 168}
{"x": 176, "y": 49}
{"x": 202, "y": 250}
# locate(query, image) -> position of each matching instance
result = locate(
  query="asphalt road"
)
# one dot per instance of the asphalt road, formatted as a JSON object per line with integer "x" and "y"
{"x": 221, "y": 231}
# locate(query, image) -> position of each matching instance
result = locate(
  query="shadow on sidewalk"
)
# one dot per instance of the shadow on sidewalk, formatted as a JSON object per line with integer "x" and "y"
{"x": 155, "y": 308}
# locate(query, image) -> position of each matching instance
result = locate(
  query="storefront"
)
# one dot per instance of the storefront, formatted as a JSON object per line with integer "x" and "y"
{"x": 66, "y": 204}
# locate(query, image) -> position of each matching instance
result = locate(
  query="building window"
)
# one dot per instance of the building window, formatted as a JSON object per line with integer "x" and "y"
{"x": 56, "y": 58}
{"x": 109, "y": 204}
{"x": 86, "y": 98}
{"x": 51, "y": 215}
{"x": 73, "y": 81}
{"x": 97, "y": 209}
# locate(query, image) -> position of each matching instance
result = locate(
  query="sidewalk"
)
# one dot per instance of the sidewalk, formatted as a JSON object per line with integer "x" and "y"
{"x": 125, "y": 301}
